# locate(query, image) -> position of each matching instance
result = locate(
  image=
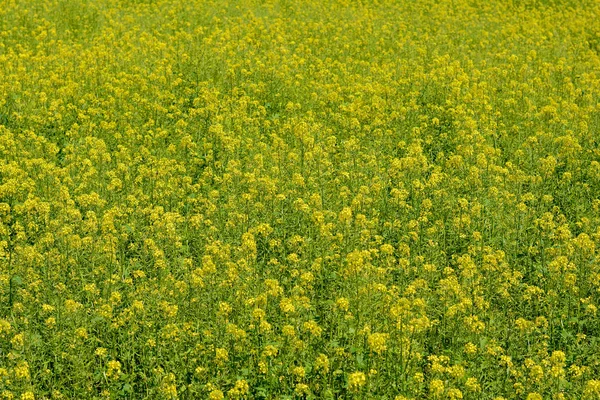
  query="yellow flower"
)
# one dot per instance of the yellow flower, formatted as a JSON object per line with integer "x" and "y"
{"x": 168, "y": 387}
{"x": 592, "y": 389}
{"x": 470, "y": 348}
{"x": 101, "y": 352}
{"x": 5, "y": 326}
{"x": 436, "y": 387}
{"x": 299, "y": 372}
{"x": 240, "y": 388}
{"x": 18, "y": 340}
{"x": 472, "y": 385}
{"x": 322, "y": 363}
{"x": 302, "y": 389}
{"x": 345, "y": 216}
{"x": 377, "y": 342}
{"x": 47, "y": 308}
{"x": 356, "y": 381}
{"x": 270, "y": 351}
{"x": 287, "y": 306}
{"x": 313, "y": 328}
{"x": 342, "y": 303}
{"x": 113, "y": 370}
{"x": 216, "y": 394}
{"x": 454, "y": 394}
{"x": 288, "y": 331}
{"x": 81, "y": 333}
{"x": 22, "y": 370}
{"x": 534, "y": 396}
{"x": 221, "y": 356}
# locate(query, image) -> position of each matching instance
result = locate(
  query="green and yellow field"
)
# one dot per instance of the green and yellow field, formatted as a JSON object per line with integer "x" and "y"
{"x": 299, "y": 199}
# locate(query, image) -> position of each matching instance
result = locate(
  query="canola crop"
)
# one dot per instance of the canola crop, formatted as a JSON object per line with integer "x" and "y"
{"x": 309, "y": 199}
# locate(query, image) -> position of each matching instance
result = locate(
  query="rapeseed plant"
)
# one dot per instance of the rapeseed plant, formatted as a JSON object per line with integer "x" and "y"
{"x": 315, "y": 199}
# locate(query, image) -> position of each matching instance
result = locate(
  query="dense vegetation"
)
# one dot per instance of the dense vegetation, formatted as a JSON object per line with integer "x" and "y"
{"x": 299, "y": 199}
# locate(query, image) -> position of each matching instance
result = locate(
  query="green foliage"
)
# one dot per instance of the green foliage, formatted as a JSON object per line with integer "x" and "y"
{"x": 299, "y": 200}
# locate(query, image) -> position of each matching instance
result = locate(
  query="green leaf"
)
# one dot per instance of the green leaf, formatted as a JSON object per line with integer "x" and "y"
{"x": 360, "y": 360}
{"x": 17, "y": 280}
{"x": 127, "y": 388}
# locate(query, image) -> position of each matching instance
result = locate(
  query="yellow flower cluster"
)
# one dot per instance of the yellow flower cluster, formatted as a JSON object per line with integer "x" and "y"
{"x": 313, "y": 199}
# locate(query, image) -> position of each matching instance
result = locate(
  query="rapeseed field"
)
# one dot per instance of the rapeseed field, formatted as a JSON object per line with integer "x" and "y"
{"x": 307, "y": 199}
